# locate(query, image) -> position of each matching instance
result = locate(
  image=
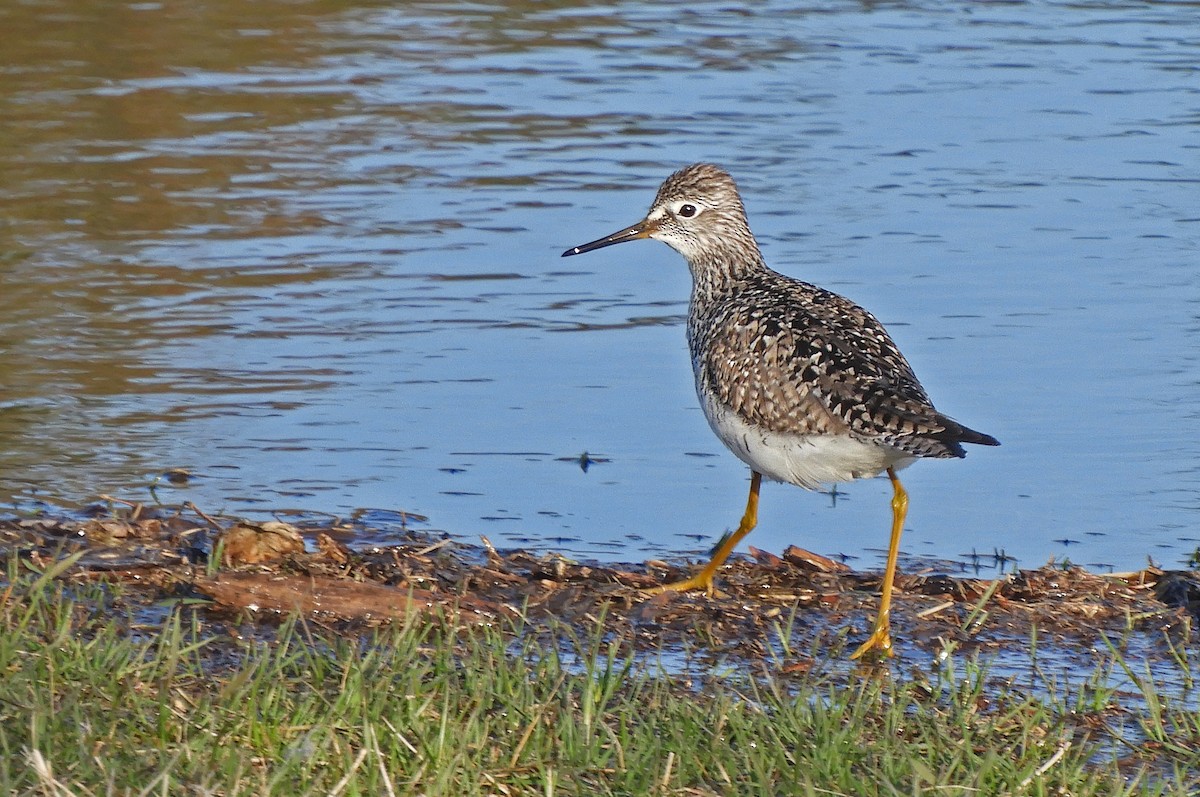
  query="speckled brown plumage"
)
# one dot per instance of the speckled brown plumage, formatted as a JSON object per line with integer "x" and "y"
{"x": 802, "y": 384}
{"x": 794, "y": 358}
{"x": 788, "y": 356}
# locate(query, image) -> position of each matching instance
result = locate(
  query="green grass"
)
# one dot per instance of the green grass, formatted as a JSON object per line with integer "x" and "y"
{"x": 92, "y": 706}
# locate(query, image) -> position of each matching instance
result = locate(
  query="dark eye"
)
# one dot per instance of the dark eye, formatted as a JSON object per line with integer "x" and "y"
{"x": 687, "y": 211}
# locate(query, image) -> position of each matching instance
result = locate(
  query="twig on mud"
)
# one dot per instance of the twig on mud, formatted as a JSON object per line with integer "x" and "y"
{"x": 198, "y": 511}
{"x": 136, "y": 506}
{"x": 431, "y": 548}
{"x": 941, "y": 607}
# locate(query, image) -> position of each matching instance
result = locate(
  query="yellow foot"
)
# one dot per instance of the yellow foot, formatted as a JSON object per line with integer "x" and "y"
{"x": 702, "y": 580}
{"x": 878, "y": 644}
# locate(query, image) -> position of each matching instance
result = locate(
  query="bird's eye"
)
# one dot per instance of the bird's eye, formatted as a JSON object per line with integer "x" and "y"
{"x": 687, "y": 211}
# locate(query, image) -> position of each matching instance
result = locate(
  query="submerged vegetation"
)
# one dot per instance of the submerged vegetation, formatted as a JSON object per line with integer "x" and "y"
{"x": 95, "y": 701}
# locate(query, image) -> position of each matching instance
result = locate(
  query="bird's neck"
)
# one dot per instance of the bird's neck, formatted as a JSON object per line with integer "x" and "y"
{"x": 720, "y": 271}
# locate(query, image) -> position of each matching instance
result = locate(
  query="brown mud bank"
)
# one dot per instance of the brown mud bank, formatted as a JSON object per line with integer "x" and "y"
{"x": 776, "y": 612}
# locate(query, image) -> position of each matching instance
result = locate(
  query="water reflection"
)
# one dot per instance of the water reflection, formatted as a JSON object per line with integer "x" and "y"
{"x": 308, "y": 251}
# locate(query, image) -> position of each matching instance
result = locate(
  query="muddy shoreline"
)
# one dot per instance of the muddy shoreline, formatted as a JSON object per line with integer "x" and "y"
{"x": 774, "y": 611}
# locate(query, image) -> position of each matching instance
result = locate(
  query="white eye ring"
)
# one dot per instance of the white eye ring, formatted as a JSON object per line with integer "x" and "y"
{"x": 687, "y": 210}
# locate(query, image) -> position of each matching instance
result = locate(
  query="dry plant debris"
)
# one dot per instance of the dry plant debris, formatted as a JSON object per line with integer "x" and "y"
{"x": 276, "y": 568}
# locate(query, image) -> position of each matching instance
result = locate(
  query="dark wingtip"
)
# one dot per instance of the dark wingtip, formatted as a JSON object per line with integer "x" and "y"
{"x": 966, "y": 435}
{"x": 955, "y": 434}
{"x": 986, "y": 440}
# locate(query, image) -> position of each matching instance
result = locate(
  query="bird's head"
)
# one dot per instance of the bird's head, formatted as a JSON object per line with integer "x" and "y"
{"x": 697, "y": 212}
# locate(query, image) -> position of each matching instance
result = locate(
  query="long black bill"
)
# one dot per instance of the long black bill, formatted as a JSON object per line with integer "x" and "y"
{"x": 639, "y": 230}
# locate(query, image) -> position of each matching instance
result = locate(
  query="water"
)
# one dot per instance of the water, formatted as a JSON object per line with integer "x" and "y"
{"x": 310, "y": 253}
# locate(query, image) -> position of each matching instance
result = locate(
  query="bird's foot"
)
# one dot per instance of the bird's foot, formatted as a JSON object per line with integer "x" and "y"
{"x": 702, "y": 580}
{"x": 878, "y": 644}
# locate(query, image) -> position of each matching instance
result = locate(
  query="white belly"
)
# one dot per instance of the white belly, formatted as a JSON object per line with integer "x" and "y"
{"x": 805, "y": 460}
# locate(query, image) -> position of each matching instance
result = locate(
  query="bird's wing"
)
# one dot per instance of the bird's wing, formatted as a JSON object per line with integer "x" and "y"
{"x": 813, "y": 362}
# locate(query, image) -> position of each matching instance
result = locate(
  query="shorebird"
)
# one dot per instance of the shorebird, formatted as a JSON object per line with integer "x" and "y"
{"x": 801, "y": 384}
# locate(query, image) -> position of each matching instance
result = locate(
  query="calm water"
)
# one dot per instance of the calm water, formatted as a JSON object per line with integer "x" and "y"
{"x": 309, "y": 251}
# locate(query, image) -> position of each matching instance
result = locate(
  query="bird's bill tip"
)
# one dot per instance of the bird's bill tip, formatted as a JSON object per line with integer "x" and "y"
{"x": 640, "y": 230}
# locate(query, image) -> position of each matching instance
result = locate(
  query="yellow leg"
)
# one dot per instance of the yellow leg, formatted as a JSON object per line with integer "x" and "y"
{"x": 704, "y": 579}
{"x": 880, "y": 641}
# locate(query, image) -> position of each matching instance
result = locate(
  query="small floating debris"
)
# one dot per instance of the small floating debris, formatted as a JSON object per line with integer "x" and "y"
{"x": 584, "y": 460}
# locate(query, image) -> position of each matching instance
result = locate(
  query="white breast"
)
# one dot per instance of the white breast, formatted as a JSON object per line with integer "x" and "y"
{"x": 808, "y": 461}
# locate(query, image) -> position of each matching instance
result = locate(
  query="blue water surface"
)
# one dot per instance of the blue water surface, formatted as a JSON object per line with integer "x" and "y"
{"x": 313, "y": 257}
